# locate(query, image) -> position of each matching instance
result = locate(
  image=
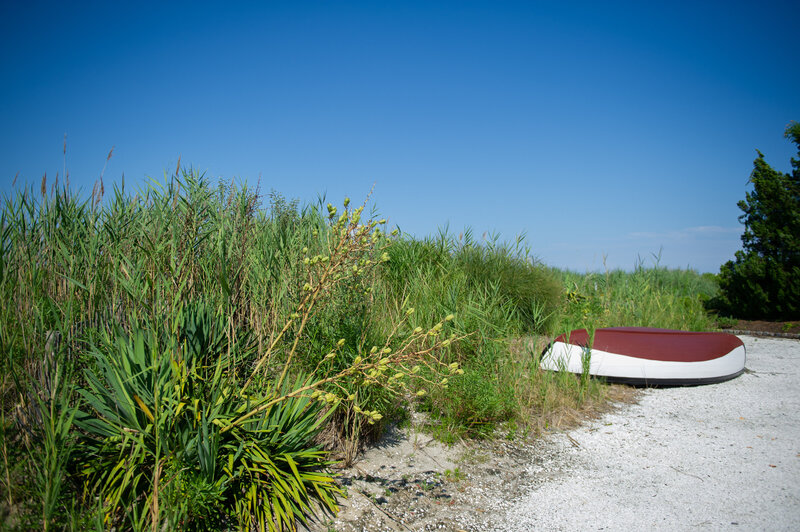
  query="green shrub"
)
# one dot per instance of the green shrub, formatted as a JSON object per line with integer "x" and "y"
{"x": 496, "y": 293}
{"x": 758, "y": 288}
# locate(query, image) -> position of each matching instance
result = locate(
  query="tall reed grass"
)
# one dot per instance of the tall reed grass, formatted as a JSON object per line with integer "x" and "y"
{"x": 203, "y": 343}
{"x": 652, "y": 296}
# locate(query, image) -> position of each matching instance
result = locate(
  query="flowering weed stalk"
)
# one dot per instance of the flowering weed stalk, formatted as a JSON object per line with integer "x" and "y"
{"x": 354, "y": 250}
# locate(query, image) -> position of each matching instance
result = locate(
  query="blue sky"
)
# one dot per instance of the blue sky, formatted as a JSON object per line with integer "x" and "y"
{"x": 616, "y": 129}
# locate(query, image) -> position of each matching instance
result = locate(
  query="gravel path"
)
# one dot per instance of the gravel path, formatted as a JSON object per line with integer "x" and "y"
{"x": 716, "y": 457}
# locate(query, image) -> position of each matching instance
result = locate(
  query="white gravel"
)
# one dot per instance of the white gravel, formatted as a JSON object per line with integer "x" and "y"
{"x": 715, "y": 457}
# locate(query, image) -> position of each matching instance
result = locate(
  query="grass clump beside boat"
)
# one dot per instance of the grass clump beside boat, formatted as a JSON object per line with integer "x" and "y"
{"x": 646, "y": 297}
{"x": 188, "y": 356}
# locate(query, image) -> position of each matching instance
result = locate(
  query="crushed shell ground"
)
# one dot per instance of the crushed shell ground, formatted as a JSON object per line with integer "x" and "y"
{"x": 716, "y": 457}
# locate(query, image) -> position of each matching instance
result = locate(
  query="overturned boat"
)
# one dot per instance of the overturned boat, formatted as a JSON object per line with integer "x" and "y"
{"x": 646, "y": 356}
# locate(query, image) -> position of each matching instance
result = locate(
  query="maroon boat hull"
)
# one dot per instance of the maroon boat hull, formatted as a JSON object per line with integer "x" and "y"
{"x": 648, "y": 356}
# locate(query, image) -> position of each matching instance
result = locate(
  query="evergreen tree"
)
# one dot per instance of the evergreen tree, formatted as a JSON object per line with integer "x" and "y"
{"x": 764, "y": 279}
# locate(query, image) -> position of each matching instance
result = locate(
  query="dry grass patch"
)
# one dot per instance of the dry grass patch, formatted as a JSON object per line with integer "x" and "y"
{"x": 548, "y": 400}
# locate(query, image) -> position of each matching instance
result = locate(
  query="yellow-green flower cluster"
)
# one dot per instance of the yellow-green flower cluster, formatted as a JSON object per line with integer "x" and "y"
{"x": 372, "y": 416}
{"x": 411, "y": 356}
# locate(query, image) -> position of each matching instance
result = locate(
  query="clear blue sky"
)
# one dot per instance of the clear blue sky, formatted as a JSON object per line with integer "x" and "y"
{"x": 597, "y": 128}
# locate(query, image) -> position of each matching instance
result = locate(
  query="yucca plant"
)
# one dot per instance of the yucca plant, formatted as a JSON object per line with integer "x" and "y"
{"x": 274, "y": 464}
{"x": 133, "y": 424}
{"x": 154, "y": 450}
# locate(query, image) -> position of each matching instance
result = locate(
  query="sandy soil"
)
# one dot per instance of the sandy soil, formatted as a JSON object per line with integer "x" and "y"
{"x": 724, "y": 456}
